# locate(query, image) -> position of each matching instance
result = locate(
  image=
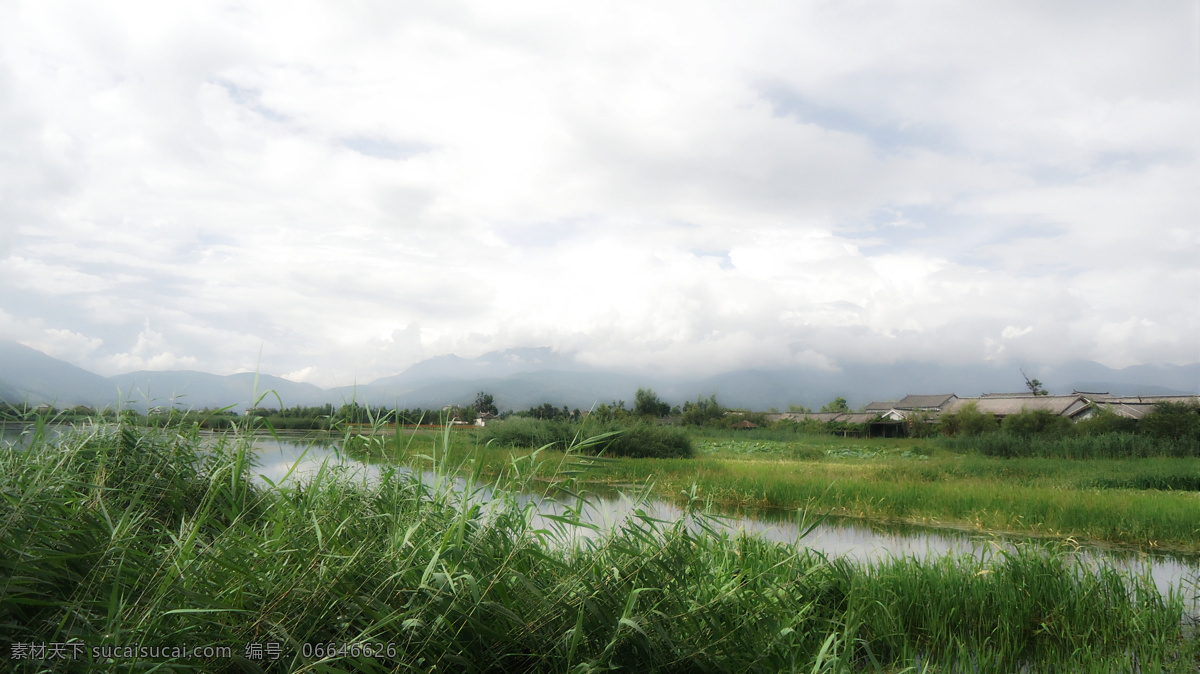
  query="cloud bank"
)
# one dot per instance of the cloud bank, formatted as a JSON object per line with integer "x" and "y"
{"x": 336, "y": 192}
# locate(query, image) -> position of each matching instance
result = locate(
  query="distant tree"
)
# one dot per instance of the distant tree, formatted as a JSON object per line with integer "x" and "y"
{"x": 485, "y": 403}
{"x": 647, "y": 404}
{"x": 1034, "y": 385}
{"x": 799, "y": 409}
{"x": 838, "y": 404}
{"x": 702, "y": 412}
{"x": 547, "y": 412}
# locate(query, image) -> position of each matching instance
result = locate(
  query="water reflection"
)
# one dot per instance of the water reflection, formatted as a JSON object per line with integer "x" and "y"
{"x": 298, "y": 460}
{"x": 20, "y": 434}
{"x": 854, "y": 539}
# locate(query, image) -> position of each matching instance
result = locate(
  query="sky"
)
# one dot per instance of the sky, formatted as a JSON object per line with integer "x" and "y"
{"x": 334, "y": 191}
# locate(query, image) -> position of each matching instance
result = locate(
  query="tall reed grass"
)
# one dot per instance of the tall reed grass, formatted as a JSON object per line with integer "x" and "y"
{"x": 121, "y": 536}
{"x": 1102, "y": 446}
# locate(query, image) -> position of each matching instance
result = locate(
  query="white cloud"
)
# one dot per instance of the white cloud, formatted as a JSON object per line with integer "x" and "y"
{"x": 149, "y": 352}
{"x": 304, "y": 374}
{"x": 1012, "y": 331}
{"x": 669, "y": 186}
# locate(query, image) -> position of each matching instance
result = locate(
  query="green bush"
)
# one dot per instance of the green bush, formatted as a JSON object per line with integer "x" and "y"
{"x": 1029, "y": 423}
{"x": 530, "y": 432}
{"x": 1172, "y": 421}
{"x": 968, "y": 421}
{"x": 641, "y": 440}
{"x": 1105, "y": 421}
{"x": 919, "y": 425}
{"x": 649, "y": 441}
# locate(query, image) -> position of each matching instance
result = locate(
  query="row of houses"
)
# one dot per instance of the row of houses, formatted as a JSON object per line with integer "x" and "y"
{"x": 887, "y": 418}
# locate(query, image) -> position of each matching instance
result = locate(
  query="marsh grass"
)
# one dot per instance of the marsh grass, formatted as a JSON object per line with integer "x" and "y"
{"x": 122, "y": 536}
{"x": 1144, "y": 503}
{"x": 1101, "y": 446}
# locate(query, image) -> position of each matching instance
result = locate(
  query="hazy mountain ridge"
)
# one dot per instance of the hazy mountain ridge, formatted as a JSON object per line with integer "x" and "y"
{"x": 198, "y": 390}
{"x": 496, "y": 364}
{"x": 28, "y": 375}
{"x": 521, "y": 378}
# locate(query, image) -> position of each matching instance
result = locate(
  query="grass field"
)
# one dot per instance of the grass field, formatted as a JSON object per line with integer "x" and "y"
{"x": 128, "y": 537}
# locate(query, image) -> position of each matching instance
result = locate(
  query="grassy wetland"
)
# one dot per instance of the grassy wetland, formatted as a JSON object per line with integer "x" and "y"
{"x": 116, "y": 535}
{"x": 1139, "y": 503}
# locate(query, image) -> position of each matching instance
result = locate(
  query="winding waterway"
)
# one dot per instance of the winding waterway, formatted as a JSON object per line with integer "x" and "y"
{"x": 855, "y": 539}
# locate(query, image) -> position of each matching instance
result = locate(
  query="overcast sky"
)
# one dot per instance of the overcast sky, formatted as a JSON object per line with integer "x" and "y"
{"x": 349, "y": 188}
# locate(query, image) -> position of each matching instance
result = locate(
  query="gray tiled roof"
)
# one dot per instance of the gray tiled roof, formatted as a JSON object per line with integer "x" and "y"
{"x": 1004, "y": 406}
{"x": 929, "y": 402}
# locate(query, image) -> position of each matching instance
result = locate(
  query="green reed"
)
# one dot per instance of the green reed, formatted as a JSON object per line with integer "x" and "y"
{"x": 122, "y": 536}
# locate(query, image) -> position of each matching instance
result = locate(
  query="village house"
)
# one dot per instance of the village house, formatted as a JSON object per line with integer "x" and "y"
{"x": 890, "y": 418}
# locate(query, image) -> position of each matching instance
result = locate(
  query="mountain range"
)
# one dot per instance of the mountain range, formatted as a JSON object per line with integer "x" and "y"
{"x": 521, "y": 378}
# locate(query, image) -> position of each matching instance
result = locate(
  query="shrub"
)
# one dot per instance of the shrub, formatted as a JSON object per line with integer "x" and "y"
{"x": 919, "y": 425}
{"x": 530, "y": 432}
{"x": 1105, "y": 421}
{"x": 1172, "y": 421}
{"x": 1029, "y": 423}
{"x": 968, "y": 421}
{"x": 646, "y": 440}
{"x": 641, "y": 440}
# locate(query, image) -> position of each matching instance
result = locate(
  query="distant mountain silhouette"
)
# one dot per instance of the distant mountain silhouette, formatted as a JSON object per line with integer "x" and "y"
{"x": 189, "y": 389}
{"x": 522, "y": 378}
{"x": 28, "y": 375}
{"x": 492, "y": 365}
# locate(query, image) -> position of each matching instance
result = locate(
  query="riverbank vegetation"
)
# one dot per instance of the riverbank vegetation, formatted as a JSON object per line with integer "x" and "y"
{"x": 1138, "y": 503}
{"x": 1142, "y": 500}
{"x": 638, "y": 440}
{"x": 121, "y": 535}
{"x": 1104, "y": 479}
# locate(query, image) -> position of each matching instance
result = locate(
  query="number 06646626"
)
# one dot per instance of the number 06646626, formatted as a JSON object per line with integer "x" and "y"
{"x": 355, "y": 650}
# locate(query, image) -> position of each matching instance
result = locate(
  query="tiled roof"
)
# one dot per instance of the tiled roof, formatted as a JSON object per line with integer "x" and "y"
{"x": 1001, "y": 406}
{"x": 913, "y": 402}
